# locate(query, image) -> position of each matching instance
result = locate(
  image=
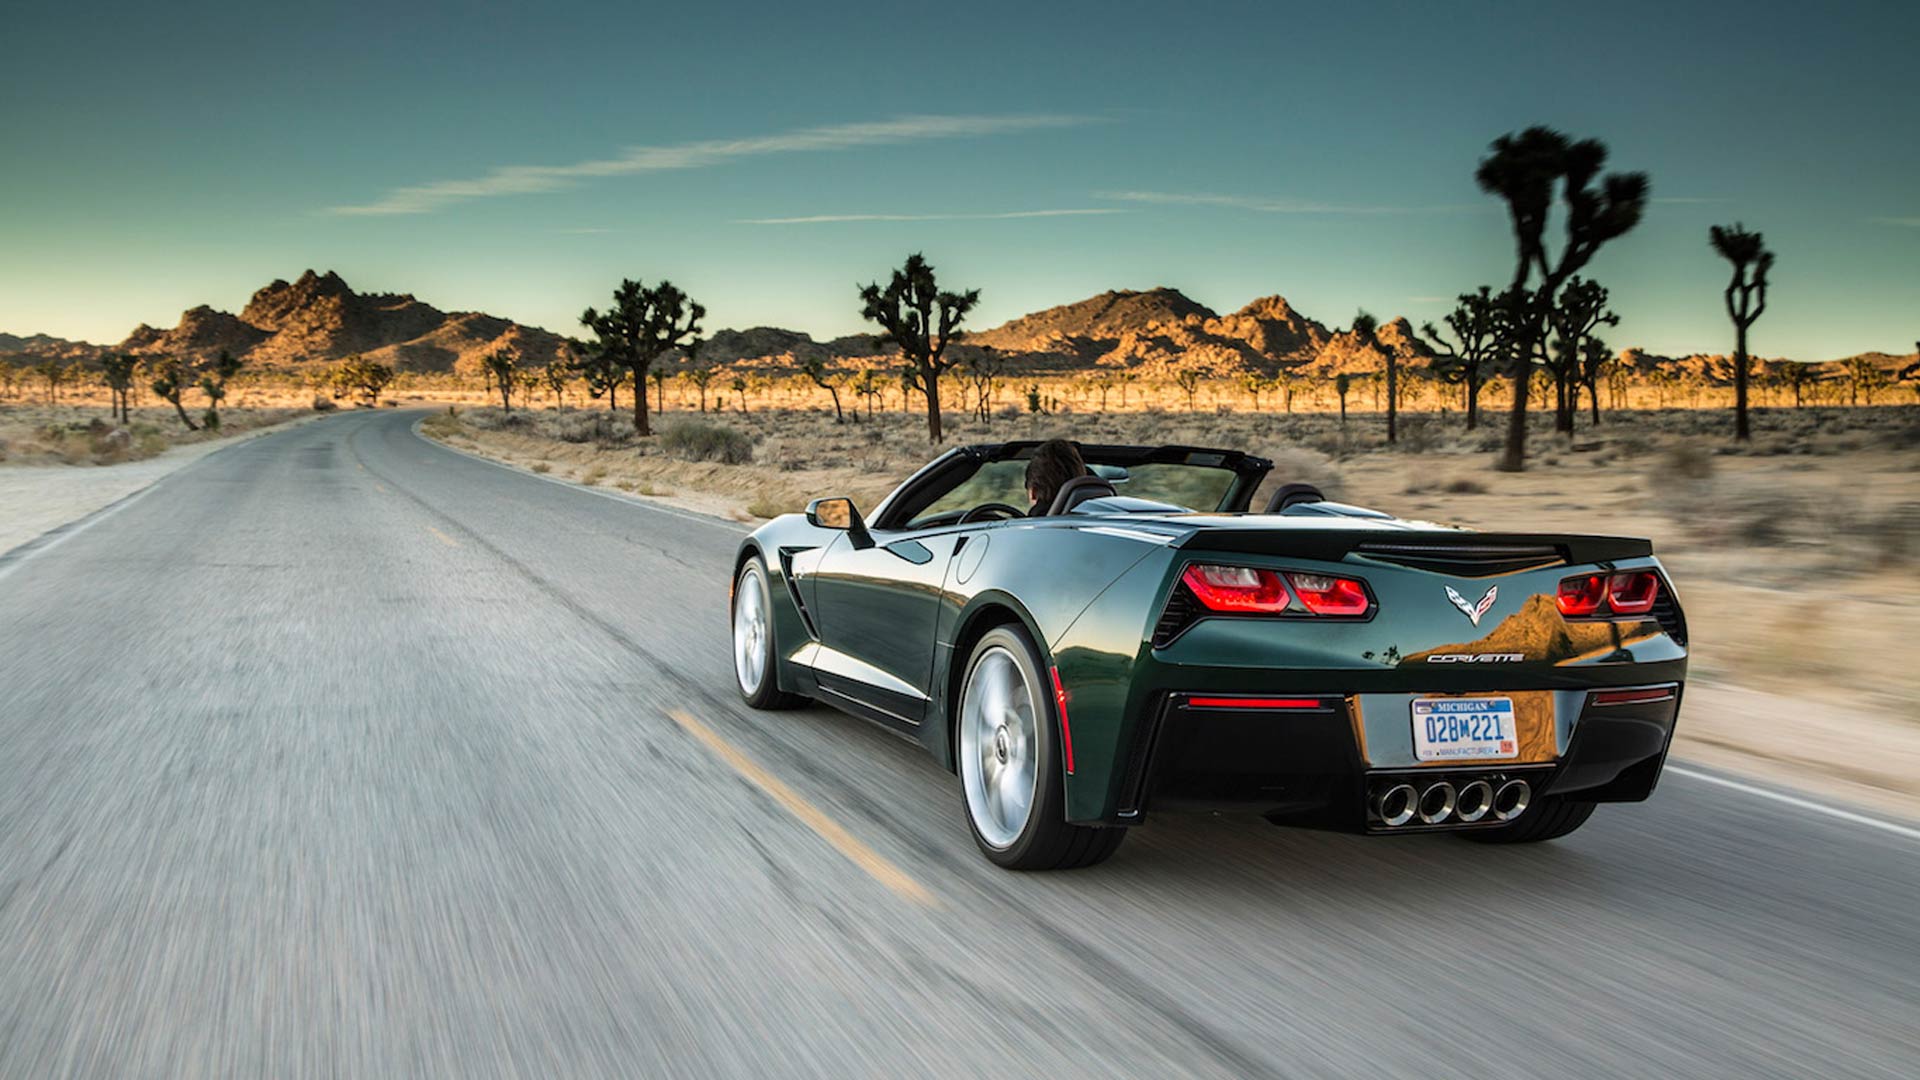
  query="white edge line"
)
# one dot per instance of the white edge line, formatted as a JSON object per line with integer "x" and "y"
{"x": 1796, "y": 801}
{"x": 616, "y": 496}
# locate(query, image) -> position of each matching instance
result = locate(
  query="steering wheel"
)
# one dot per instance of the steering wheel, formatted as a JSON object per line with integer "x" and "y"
{"x": 980, "y": 512}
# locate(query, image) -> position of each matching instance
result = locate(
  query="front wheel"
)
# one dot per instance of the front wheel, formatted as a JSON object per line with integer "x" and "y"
{"x": 1009, "y": 754}
{"x": 755, "y": 648}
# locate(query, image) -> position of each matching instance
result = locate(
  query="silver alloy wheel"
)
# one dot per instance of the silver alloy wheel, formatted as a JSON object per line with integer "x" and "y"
{"x": 750, "y": 630}
{"x": 999, "y": 747}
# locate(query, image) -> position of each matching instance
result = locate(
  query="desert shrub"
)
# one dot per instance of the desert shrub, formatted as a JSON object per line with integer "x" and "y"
{"x": 699, "y": 440}
{"x": 765, "y": 507}
{"x": 1892, "y": 538}
{"x": 1418, "y": 434}
{"x": 1465, "y": 486}
{"x": 441, "y": 425}
{"x": 594, "y": 475}
{"x": 323, "y": 403}
{"x": 1686, "y": 461}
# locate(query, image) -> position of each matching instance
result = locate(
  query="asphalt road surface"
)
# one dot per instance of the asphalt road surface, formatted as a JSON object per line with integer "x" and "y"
{"x": 340, "y": 753}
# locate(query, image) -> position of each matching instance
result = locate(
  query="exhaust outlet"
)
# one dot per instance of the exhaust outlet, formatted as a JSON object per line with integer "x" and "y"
{"x": 1473, "y": 802}
{"x": 1436, "y": 803}
{"x": 1395, "y": 805}
{"x": 1512, "y": 799}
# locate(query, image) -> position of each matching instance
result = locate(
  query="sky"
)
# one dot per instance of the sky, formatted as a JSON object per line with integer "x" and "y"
{"x": 522, "y": 159}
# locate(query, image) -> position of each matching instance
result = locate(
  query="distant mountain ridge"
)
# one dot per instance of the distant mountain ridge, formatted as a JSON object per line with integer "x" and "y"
{"x": 320, "y": 317}
{"x": 1154, "y": 332}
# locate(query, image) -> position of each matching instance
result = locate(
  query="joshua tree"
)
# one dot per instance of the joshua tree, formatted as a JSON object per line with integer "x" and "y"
{"x": 1864, "y": 378}
{"x": 556, "y": 375}
{"x": 1597, "y": 362}
{"x": 52, "y": 374}
{"x": 501, "y": 365}
{"x": 1466, "y": 359}
{"x": 700, "y": 375}
{"x": 1342, "y": 383}
{"x": 1188, "y": 379}
{"x": 170, "y": 380}
{"x": 1746, "y": 298}
{"x": 1579, "y": 310}
{"x": 982, "y": 369}
{"x": 643, "y": 325}
{"x": 921, "y": 321}
{"x": 362, "y": 377}
{"x": 214, "y": 385}
{"x": 1524, "y": 170}
{"x": 815, "y": 369}
{"x": 598, "y": 370}
{"x": 739, "y": 385}
{"x": 117, "y": 370}
{"x": 868, "y": 389}
{"x": 1366, "y": 336}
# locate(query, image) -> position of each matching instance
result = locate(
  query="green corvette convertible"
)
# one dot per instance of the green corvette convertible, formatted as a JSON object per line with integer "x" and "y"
{"x": 1149, "y": 643}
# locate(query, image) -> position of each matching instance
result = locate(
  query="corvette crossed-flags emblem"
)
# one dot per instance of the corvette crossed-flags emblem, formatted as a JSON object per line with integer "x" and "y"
{"x": 1474, "y": 611}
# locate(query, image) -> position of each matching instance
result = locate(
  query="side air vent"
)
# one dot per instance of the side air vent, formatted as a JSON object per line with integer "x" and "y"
{"x": 1182, "y": 610}
{"x": 1464, "y": 560}
{"x": 1667, "y": 614}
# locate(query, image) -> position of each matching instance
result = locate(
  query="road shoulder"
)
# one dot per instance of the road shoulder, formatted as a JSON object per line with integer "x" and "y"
{"x": 42, "y": 498}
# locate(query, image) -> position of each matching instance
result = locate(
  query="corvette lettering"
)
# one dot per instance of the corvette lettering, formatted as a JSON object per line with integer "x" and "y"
{"x": 1476, "y": 658}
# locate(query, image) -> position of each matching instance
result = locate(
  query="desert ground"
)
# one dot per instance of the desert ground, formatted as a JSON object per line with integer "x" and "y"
{"x": 1795, "y": 558}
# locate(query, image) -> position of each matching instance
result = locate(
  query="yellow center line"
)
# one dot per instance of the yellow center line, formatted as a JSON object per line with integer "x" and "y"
{"x": 811, "y": 816}
{"x": 443, "y": 537}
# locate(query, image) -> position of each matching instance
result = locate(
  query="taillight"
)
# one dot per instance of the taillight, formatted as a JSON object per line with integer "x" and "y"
{"x": 1253, "y": 590}
{"x": 1238, "y": 589}
{"x": 1582, "y": 595}
{"x": 1604, "y": 596}
{"x": 1324, "y": 594}
{"x": 1633, "y": 593}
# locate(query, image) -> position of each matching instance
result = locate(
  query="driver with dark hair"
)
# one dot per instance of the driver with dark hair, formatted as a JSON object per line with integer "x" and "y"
{"x": 1054, "y": 462}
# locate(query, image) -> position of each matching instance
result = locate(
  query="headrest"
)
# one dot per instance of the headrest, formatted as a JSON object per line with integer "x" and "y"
{"x": 1292, "y": 495}
{"x": 1079, "y": 490}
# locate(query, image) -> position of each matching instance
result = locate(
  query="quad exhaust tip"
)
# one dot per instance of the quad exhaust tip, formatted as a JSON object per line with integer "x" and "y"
{"x": 1473, "y": 801}
{"x": 1395, "y": 806}
{"x": 1437, "y": 803}
{"x": 1512, "y": 799}
{"x": 1482, "y": 800}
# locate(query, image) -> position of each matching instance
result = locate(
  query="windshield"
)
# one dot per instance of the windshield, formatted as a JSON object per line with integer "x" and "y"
{"x": 1182, "y": 486}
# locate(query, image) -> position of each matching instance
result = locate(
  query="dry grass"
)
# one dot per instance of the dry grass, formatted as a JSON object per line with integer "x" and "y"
{"x": 75, "y": 434}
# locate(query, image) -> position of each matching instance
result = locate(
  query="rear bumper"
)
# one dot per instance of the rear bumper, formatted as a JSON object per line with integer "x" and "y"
{"x": 1322, "y": 761}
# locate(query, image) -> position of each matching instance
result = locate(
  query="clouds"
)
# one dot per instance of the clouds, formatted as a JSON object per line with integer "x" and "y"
{"x": 508, "y": 180}
{"x": 1264, "y": 205}
{"x": 1010, "y": 215}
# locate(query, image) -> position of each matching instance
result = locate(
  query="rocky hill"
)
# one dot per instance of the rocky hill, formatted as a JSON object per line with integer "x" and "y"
{"x": 33, "y": 348}
{"x": 320, "y": 317}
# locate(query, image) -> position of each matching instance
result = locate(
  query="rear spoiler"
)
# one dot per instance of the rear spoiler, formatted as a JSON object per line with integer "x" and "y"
{"x": 1455, "y": 552}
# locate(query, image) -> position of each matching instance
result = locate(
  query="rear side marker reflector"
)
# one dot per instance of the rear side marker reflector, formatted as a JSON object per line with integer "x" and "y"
{"x": 1269, "y": 703}
{"x": 1066, "y": 731}
{"x": 1643, "y": 696}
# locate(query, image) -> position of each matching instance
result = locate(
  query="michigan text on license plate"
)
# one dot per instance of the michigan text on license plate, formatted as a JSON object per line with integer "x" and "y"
{"x": 1448, "y": 729}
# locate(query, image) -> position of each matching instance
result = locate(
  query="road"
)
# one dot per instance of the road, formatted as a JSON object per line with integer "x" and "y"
{"x": 341, "y": 753}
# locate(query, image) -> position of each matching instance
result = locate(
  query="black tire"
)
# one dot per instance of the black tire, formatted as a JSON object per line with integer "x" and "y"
{"x": 1549, "y": 818}
{"x": 1047, "y": 841}
{"x": 766, "y": 692}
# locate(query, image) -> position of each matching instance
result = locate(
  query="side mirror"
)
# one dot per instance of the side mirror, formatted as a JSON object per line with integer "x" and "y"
{"x": 842, "y": 515}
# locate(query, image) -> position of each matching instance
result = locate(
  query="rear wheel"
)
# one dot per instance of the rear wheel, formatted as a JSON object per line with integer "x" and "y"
{"x": 755, "y": 649}
{"x": 1009, "y": 757}
{"x": 1549, "y": 818}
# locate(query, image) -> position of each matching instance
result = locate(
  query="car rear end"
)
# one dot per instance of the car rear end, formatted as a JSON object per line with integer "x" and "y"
{"x": 1399, "y": 680}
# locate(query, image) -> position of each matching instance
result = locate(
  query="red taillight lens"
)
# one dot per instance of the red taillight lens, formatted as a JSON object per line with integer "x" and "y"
{"x": 1633, "y": 593}
{"x": 1582, "y": 595}
{"x": 1324, "y": 594}
{"x": 1236, "y": 588}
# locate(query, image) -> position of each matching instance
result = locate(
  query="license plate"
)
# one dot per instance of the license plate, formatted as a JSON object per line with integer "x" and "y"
{"x": 1457, "y": 729}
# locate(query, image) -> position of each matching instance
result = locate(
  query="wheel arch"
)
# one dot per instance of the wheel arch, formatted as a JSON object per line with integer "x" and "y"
{"x": 986, "y": 612}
